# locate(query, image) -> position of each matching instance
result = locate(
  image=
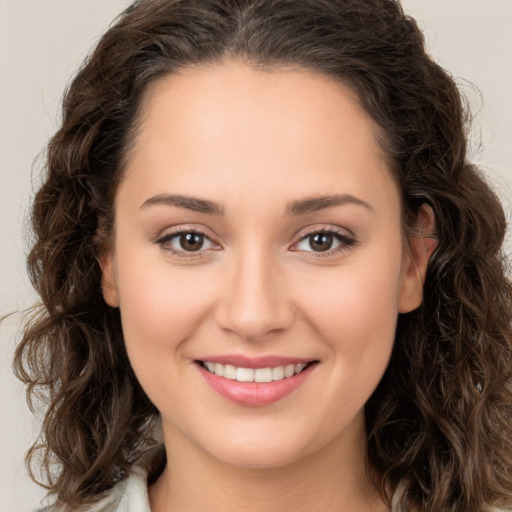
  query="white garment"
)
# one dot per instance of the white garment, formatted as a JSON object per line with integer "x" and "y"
{"x": 129, "y": 495}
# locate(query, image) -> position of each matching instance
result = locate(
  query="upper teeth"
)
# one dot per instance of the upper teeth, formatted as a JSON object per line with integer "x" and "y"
{"x": 254, "y": 375}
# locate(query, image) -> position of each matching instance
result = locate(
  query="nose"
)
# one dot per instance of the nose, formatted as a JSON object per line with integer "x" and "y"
{"x": 255, "y": 299}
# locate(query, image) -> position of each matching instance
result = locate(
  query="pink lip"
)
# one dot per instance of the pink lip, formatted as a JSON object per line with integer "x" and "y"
{"x": 254, "y": 362}
{"x": 254, "y": 394}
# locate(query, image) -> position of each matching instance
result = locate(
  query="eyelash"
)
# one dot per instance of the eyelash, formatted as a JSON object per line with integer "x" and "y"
{"x": 164, "y": 242}
{"x": 344, "y": 240}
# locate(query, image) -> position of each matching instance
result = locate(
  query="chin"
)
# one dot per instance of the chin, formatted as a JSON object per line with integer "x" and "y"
{"x": 267, "y": 458}
{"x": 259, "y": 452}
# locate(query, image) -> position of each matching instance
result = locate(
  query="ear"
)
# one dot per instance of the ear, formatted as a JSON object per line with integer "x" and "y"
{"x": 108, "y": 279}
{"x": 421, "y": 244}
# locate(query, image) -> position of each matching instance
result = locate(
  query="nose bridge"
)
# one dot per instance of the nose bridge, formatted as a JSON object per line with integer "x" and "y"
{"x": 254, "y": 299}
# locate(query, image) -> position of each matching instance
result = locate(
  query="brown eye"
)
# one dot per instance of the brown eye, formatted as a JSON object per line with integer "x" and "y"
{"x": 324, "y": 241}
{"x": 191, "y": 241}
{"x": 184, "y": 242}
{"x": 320, "y": 242}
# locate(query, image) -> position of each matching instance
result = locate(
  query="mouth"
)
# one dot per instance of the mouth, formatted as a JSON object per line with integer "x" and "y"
{"x": 254, "y": 382}
{"x": 261, "y": 375}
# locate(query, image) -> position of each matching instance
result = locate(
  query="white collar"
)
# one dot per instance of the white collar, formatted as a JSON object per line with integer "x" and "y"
{"x": 129, "y": 495}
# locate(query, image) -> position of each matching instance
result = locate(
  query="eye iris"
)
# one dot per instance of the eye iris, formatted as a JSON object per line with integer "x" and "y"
{"x": 320, "y": 241}
{"x": 191, "y": 241}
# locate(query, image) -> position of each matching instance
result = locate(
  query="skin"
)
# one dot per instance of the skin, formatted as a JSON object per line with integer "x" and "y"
{"x": 253, "y": 142}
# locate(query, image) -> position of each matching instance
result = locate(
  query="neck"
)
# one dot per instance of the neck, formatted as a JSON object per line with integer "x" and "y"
{"x": 333, "y": 479}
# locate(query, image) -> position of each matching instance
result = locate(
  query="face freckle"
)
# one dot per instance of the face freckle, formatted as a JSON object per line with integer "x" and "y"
{"x": 258, "y": 224}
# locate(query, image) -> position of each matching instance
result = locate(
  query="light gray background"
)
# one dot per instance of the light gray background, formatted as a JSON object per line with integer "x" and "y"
{"x": 41, "y": 44}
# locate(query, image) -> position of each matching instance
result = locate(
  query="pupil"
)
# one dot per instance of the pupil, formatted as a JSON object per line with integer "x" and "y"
{"x": 321, "y": 242}
{"x": 191, "y": 241}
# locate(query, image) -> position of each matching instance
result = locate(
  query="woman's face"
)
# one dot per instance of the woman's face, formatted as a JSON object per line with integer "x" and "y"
{"x": 258, "y": 236}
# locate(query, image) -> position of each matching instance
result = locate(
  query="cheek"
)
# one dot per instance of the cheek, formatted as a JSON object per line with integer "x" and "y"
{"x": 160, "y": 307}
{"x": 355, "y": 308}
{"x": 361, "y": 305}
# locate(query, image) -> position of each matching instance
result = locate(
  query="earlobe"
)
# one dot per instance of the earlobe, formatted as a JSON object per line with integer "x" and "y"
{"x": 421, "y": 244}
{"x": 108, "y": 279}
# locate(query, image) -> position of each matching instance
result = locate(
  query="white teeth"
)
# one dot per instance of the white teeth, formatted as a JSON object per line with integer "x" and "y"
{"x": 219, "y": 369}
{"x": 230, "y": 372}
{"x": 289, "y": 370}
{"x": 263, "y": 375}
{"x": 245, "y": 375}
{"x": 250, "y": 375}
{"x": 278, "y": 373}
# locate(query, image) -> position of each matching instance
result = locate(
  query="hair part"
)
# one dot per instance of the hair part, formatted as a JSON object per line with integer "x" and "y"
{"x": 438, "y": 422}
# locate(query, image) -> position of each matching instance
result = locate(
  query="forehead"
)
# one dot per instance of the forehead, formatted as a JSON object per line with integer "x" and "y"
{"x": 243, "y": 126}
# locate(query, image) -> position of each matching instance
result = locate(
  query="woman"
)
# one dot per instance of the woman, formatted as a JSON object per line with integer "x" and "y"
{"x": 260, "y": 238}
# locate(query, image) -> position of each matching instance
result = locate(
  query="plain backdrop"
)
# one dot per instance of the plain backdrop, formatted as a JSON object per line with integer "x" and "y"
{"x": 42, "y": 42}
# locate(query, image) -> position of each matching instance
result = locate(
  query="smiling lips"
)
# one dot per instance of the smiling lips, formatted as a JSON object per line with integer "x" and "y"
{"x": 242, "y": 374}
{"x": 251, "y": 382}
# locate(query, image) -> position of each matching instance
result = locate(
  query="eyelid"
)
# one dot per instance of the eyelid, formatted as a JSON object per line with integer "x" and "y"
{"x": 171, "y": 233}
{"x": 343, "y": 235}
{"x": 346, "y": 238}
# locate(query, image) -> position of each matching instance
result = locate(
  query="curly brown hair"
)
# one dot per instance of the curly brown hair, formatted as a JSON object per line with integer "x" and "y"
{"x": 439, "y": 422}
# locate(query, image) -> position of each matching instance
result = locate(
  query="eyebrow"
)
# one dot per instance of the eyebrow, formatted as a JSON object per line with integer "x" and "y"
{"x": 300, "y": 207}
{"x": 189, "y": 203}
{"x": 313, "y": 204}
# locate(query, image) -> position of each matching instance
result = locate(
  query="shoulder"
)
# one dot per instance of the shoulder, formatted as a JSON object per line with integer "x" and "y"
{"x": 129, "y": 495}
